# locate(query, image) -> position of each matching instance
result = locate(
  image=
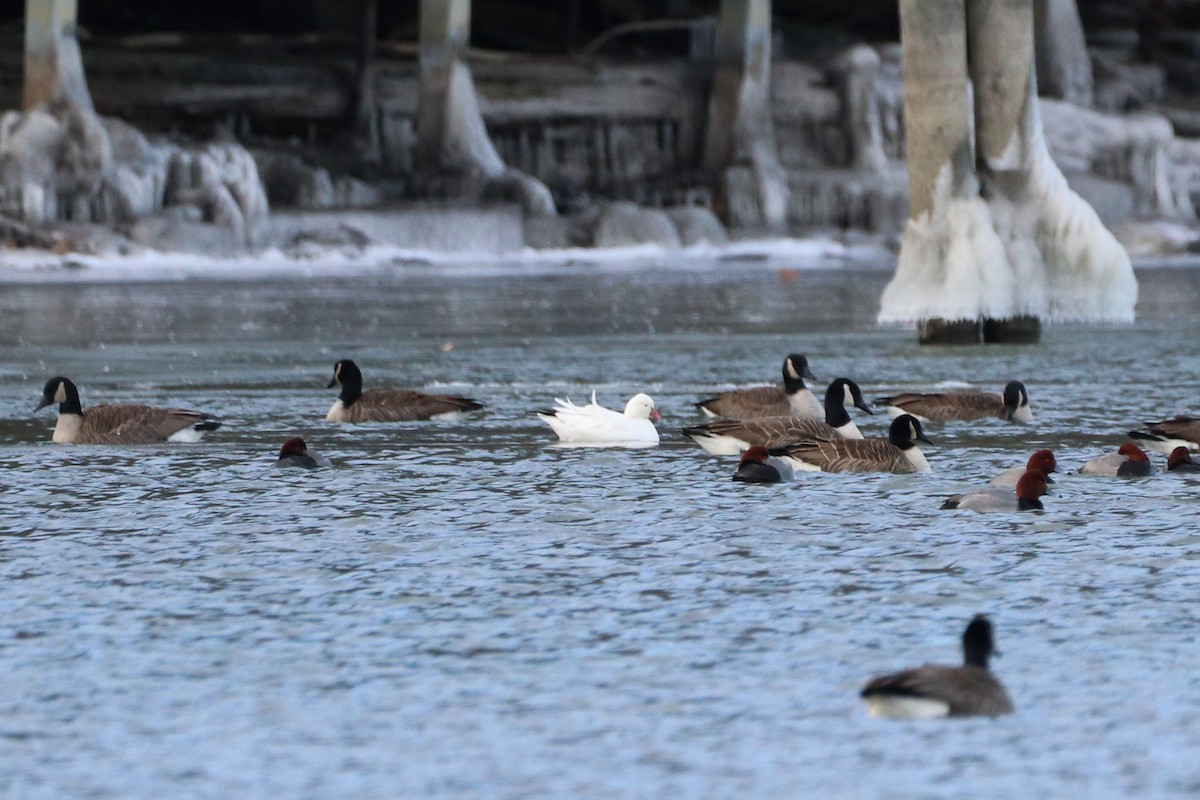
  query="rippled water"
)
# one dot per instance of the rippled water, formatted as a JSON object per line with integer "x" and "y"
{"x": 464, "y": 610}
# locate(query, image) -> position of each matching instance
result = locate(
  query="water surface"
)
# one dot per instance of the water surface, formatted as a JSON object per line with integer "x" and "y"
{"x": 464, "y": 610}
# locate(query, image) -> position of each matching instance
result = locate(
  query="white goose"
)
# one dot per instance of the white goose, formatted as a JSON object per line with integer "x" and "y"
{"x": 595, "y": 424}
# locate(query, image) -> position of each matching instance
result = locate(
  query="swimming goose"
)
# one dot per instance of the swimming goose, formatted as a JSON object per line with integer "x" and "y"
{"x": 124, "y": 423}
{"x": 1012, "y": 405}
{"x": 728, "y": 437}
{"x": 897, "y": 453}
{"x": 1180, "y": 460}
{"x": 936, "y": 690}
{"x": 1130, "y": 461}
{"x": 1027, "y": 496}
{"x": 595, "y": 424}
{"x": 757, "y": 466}
{"x": 388, "y": 405}
{"x": 1041, "y": 460}
{"x": 770, "y": 401}
{"x": 1165, "y": 435}
{"x": 295, "y": 453}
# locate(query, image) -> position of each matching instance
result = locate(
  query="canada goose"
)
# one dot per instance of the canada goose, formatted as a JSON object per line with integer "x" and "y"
{"x": 295, "y": 453}
{"x": 1012, "y": 405}
{"x": 1026, "y": 497}
{"x": 124, "y": 423}
{"x": 794, "y": 398}
{"x": 1180, "y": 460}
{"x": 936, "y": 690}
{"x": 728, "y": 437}
{"x": 388, "y": 405}
{"x": 757, "y": 466}
{"x": 1165, "y": 435}
{"x": 595, "y": 424}
{"x": 897, "y": 453}
{"x": 1130, "y": 461}
{"x": 1041, "y": 460}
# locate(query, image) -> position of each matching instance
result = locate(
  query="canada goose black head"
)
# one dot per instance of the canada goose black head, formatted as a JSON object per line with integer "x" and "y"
{"x": 844, "y": 392}
{"x": 906, "y": 431}
{"x": 345, "y": 373}
{"x": 978, "y": 642}
{"x": 796, "y": 371}
{"x": 62, "y": 391}
{"x": 1015, "y": 398}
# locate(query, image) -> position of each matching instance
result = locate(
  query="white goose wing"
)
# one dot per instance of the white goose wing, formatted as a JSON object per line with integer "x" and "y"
{"x": 596, "y": 424}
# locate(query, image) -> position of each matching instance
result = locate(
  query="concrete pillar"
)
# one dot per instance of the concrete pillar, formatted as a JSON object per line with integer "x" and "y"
{"x": 999, "y": 242}
{"x": 857, "y": 71}
{"x": 445, "y": 30}
{"x": 53, "y": 66}
{"x": 937, "y": 108}
{"x": 454, "y": 153}
{"x": 1000, "y": 47}
{"x": 740, "y": 136}
{"x": 1064, "y": 69}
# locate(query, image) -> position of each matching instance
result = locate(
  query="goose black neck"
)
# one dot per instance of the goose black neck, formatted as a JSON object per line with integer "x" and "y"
{"x": 835, "y": 405}
{"x": 977, "y": 643}
{"x": 351, "y": 389}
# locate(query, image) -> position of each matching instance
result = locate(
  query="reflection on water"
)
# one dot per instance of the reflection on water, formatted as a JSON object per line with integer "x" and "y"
{"x": 466, "y": 610}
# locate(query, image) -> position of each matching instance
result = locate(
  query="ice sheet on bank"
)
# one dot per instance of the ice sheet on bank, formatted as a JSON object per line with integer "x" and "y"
{"x": 37, "y": 266}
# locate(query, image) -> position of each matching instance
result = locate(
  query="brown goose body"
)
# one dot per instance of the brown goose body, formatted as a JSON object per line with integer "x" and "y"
{"x": 938, "y": 690}
{"x": 1165, "y": 435}
{"x": 898, "y": 453}
{"x": 120, "y": 423}
{"x": 793, "y": 399}
{"x": 388, "y": 405}
{"x": 1012, "y": 405}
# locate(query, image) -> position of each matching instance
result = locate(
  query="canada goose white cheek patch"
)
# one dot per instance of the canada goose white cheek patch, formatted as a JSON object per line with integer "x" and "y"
{"x": 1023, "y": 414}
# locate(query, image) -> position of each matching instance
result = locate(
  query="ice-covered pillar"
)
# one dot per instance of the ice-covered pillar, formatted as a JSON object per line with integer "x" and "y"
{"x": 1064, "y": 69}
{"x": 453, "y": 148}
{"x": 937, "y": 119}
{"x": 857, "y": 71}
{"x": 53, "y": 66}
{"x": 739, "y": 143}
{"x": 989, "y": 253}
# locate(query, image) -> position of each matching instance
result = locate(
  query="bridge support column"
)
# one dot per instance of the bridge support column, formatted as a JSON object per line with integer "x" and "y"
{"x": 740, "y": 136}
{"x": 455, "y": 155}
{"x": 53, "y": 66}
{"x": 996, "y": 241}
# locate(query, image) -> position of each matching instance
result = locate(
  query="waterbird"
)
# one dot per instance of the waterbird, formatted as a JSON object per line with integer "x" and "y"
{"x": 1026, "y": 496}
{"x": 758, "y": 466}
{"x": 1012, "y": 405}
{"x": 795, "y": 398}
{"x": 595, "y": 424}
{"x": 295, "y": 453}
{"x": 1180, "y": 460}
{"x": 897, "y": 453}
{"x": 1042, "y": 460}
{"x": 728, "y": 437}
{"x": 936, "y": 690}
{"x": 386, "y": 404}
{"x": 120, "y": 423}
{"x": 1167, "y": 434}
{"x": 1130, "y": 461}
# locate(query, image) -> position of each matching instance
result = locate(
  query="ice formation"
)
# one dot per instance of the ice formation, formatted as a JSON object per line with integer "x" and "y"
{"x": 1015, "y": 242}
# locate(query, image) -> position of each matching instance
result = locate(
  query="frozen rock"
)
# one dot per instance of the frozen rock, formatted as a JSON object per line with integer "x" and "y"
{"x": 697, "y": 225}
{"x": 624, "y": 224}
